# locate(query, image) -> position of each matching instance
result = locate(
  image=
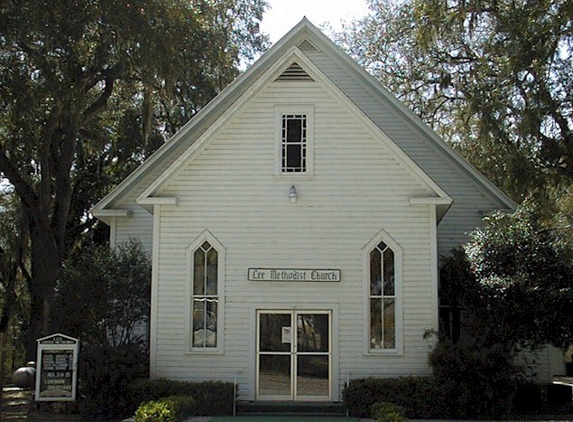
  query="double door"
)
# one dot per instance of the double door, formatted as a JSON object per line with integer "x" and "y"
{"x": 294, "y": 355}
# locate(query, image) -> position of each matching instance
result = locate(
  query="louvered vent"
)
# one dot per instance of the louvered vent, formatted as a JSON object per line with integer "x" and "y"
{"x": 294, "y": 73}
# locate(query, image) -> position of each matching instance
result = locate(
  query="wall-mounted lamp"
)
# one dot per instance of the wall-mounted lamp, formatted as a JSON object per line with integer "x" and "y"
{"x": 293, "y": 195}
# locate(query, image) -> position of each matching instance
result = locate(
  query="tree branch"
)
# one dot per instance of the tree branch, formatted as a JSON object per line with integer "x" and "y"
{"x": 23, "y": 188}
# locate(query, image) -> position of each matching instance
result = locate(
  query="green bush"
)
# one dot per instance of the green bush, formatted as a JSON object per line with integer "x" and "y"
{"x": 213, "y": 398}
{"x": 155, "y": 411}
{"x": 184, "y": 406}
{"x": 477, "y": 382}
{"x": 105, "y": 373}
{"x": 388, "y": 412}
{"x": 169, "y": 409}
{"x": 418, "y": 396}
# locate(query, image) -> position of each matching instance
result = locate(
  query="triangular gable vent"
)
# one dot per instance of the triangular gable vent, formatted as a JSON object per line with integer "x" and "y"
{"x": 294, "y": 73}
{"x": 307, "y": 46}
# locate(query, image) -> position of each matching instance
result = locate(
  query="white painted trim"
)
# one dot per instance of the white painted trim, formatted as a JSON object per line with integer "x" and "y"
{"x": 292, "y": 54}
{"x": 113, "y": 233}
{"x": 153, "y": 323}
{"x": 308, "y": 110}
{"x": 369, "y": 82}
{"x": 333, "y": 308}
{"x": 112, "y": 213}
{"x": 383, "y": 236}
{"x": 250, "y": 79}
{"x": 431, "y": 201}
{"x": 157, "y": 200}
{"x": 434, "y": 275}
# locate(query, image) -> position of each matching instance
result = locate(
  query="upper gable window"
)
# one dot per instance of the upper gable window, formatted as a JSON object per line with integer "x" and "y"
{"x": 294, "y": 141}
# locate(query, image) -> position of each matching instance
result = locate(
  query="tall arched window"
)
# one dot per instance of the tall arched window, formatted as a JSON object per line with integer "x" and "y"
{"x": 383, "y": 295}
{"x": 206, "y": 284}
{"x": 382, "y": 298}
{"x": 205, "y": 296}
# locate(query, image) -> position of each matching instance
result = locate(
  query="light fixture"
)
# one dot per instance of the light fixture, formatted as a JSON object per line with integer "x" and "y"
{"x": 293, "y": 195}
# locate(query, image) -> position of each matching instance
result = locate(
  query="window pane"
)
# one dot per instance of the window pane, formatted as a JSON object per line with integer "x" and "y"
{"x": 312, "y": 333}
{"x": 212, "y": 261}
{"x": 275, "y": 333}
{"x": 199, "y": 272}
{"x": 204, "y": 322}
{"x": 294, "y": 137}
{"x": 389, "y": 324}
{"x": 274, "y": 375}
{"x": 375, "y": 273}
{"x": 388, "y": 272}
{"x": 293, "y": 157}
{"x": 375, "y": 323}
{"x": 294, "y": 129}
{"x": 312, "y": 376}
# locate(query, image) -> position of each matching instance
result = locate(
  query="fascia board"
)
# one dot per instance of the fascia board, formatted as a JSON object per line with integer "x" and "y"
{"x": 326, "y": 45}
{"x": 201, "y": 119}
{"x": 293, "y": 53}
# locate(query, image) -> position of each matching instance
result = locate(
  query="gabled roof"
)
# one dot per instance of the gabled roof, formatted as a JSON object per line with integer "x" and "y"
{"x": 303, "y": 37}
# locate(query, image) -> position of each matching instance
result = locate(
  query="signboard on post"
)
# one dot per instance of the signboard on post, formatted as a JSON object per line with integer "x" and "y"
{"x": 56, "y": 369}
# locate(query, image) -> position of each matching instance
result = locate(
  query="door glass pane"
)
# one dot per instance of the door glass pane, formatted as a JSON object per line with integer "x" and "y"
{"x": 312, "y": 375}
{"x": 274, "y": 375}
{"x": 312, "y": 333}
{"x": 275, "y": 333}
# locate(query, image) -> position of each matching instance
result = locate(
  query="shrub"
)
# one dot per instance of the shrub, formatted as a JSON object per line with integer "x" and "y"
{"x": 155, "y": 411}
{"x": 476, "y": 382}
{"x": 169, "y": 409}
{"x": 213, "y": 398}
{"x": 184, "y": 406}
{"x": 388, "y": 412}
{"x": 105, "y": 372}
{"x": 419, "y": 396}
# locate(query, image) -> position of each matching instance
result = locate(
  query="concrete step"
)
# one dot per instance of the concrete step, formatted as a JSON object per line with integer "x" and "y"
{"x": 287, "y": 408}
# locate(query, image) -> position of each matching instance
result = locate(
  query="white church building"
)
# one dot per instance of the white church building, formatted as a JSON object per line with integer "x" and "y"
{"x": 295, "y": 226}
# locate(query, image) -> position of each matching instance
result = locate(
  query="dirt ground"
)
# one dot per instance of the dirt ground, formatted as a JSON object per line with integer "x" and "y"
{"x": 17, "y": 406}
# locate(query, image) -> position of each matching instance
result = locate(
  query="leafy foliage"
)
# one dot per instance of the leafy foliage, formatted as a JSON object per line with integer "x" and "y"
{"x": 105, "y": 375}
{"x": 515, "y": 276}
{"x": 388, "y": 412}
{"x": 212, "y": 397}
{"x": 174, "y": 408}
{"x": 418, "y": 396}
{"x": 493, "y": 77}
{"x": 104, "y": 294}
{"x": 90, "y": 89}
{"x": 155, "y": 411}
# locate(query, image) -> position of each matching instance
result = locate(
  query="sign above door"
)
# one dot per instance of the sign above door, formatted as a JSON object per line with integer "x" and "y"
{"x": 290, "y": 274}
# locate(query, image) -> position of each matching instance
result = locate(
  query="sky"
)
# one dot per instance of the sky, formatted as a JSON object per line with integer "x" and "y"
{"x": 284, "y": 14}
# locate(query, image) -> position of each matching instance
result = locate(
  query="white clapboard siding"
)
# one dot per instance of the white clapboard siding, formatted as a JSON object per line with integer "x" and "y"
{"x": 230, "y": 189}
{"x": 138, "y": 225}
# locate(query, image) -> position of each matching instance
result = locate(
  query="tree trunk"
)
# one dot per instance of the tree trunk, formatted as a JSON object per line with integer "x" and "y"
{"x": 46, "y": 261}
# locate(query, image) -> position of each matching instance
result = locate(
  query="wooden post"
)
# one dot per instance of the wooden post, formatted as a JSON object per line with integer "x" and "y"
{"x": 4, "y": 349}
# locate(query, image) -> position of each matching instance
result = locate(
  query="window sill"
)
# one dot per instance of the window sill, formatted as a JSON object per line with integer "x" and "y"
{"x": 392, "y": 352}
{"x": 204, "y": 352}
{"x": 294, "y": 176}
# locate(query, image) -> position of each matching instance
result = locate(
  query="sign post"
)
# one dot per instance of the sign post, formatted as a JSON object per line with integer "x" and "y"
{"x": 56, "y": 370}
